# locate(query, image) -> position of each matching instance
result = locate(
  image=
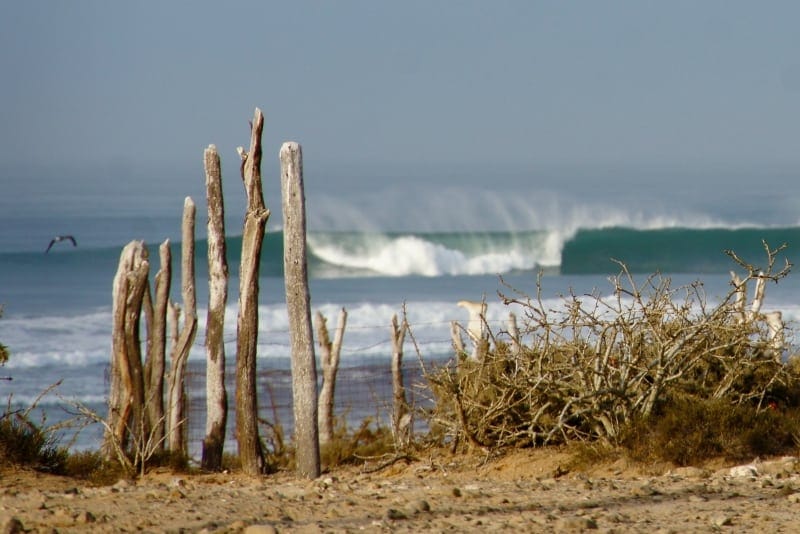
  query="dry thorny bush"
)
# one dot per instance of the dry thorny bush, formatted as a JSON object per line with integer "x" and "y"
{"x": 589, "y": 369}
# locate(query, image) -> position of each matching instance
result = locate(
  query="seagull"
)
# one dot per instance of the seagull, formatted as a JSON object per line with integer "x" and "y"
{"x": 60, "y": 238}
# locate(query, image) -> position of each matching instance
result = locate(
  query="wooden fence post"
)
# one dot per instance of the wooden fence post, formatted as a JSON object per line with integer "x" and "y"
{"x": 216, "y": 395}
{"x": 126, "y": 396}
{"x": 330, "y": 366}
{"x": 455, "y": 337}
{"x": 513, "y": 334}
{"x": 255, "y": 220}
{"x": 177, "y": 387}
{"x": 155, "y": 362}
{"x": 401, "y": 415}
{"x": 476, "y": 327}
{"x": 304, "y": 368}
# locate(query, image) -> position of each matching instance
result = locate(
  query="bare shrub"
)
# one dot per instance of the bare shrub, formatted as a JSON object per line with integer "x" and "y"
{"x": 588, "y": 368}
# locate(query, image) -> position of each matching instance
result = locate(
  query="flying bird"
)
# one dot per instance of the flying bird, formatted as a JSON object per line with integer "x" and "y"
{"x": 58, "y": 239}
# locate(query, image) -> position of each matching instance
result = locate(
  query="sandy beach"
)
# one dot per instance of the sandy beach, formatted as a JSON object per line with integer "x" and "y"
{"x": 524, "y": 491}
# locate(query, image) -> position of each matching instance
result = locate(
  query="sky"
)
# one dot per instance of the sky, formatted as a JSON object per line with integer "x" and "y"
{"x": 393, "y": 101}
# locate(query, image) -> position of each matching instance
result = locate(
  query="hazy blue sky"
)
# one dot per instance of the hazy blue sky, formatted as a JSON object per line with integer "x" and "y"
{"x": 387, "y": 95}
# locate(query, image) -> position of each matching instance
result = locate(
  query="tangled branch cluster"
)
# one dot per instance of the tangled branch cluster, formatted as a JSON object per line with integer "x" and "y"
{"x": 587, "y": 369}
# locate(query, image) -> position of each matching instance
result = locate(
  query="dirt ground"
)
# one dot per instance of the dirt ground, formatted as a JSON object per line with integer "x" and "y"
{"x": 523, "y": 491}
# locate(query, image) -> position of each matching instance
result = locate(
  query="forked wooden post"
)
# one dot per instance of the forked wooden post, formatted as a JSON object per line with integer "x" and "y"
{"x": 301, "y": 339}
{"x": 255, "y": 220}
{"x": 126, "y": 397}
{"x": 155, "y": 362}
{"x": 329, "y": 358}
{"x": 216, "y": 394}
{"x": 176, "y": 394}
{"x": 476, "y": 327}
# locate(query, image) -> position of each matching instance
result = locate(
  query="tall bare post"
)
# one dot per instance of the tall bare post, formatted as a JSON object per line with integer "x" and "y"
{"x": 330, "y": 366}
{"x": 255, "y": 220}
{"x": 126, "y": 398}
{"x": 401, "y": 415}
{"x": 216, "y": 395}
{"x": 155, "y": 362}
{"x": 177, "y": 436}
{"x": 301, "y": 340}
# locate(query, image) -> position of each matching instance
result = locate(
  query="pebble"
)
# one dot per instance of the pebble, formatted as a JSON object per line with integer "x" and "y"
{"x": 721, "y": 520}
{"x": 393, "y": 514}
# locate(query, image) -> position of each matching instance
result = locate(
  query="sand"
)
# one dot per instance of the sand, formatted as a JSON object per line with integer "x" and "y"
{"x": 523, "y": 491}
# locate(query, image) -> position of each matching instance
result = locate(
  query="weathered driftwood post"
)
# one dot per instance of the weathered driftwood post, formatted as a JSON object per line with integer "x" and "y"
{"x": 216, "y": 395}
{"x": 155, "y": 361}
{"x": 176, "y": 428}
{"x": 330, "y": 366}
{"x": 476, "y": 327}
{"x": 513, "y": 333}
{"x": 304, "y": 368}
{"x": 401, "y": 415}
{"x": 255, "y": 220}
{"x": 126, "y": 397}
{"x": 455, "y": 336}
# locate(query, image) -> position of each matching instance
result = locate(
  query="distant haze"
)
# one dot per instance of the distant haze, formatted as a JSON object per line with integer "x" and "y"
{"x": 409, "y": 113}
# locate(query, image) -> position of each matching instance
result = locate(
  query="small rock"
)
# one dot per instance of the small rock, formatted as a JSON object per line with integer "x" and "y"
{"x": 393, "y": 514}
{"x": 85, "y": 517}
{"x": 742, "y": 471}
{"x": 721, "y": 520}
{"x": 645, "y": 490}
{"x": 794, "y": 498}
{"x": 418, "y": 507}
{"x": 121, "y": 485}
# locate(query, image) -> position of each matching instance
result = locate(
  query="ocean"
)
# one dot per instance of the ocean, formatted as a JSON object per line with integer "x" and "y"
{"x": 57, "y": 305}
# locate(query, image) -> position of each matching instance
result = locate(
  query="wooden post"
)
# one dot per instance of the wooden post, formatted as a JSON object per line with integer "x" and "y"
{"x": 255, "y": 220}
{"x": 330, "y": 366}
{"x": 775, "y": 335}
{"x": 177, "y": 387}
{"x": 758, "y": 296}
{"x": 401, "y": 415}
{"x": 513, "y": 333}
{"x": 455, "y": 336}
{"x": 155, "y": 362}
{"x": 126, "y": 397}
{"x": 740, "y": 291}
{"x": 216, "y": 395}
{"x": 476, "y": 327}
{"x": 304, "y": 368}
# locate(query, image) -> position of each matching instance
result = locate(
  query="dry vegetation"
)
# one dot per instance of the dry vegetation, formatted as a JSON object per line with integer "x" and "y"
{"x": 634, "y": 369}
